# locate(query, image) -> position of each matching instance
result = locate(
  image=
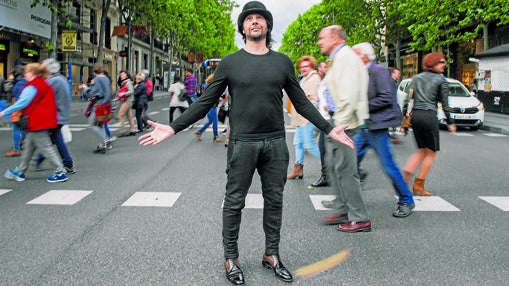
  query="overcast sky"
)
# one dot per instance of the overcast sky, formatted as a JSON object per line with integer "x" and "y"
{"x": 284, "y": 12}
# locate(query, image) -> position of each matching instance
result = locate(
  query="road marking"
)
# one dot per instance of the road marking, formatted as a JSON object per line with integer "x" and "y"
{"x": 76, "y": 129}
{"x": 433, "y": 204}
{"x": 462, "y": 134}
{"x": 165, "y": 109}
{"x": 4, "y": 191}
{"x": 152, "y": 199}
{"x": 499, "y": 202}
{"x": 495, "y": 135}
{"x": 253, "y": 201}
{"x": 322, "y": 265}
{"x": 153, "y": 113}
{"x": 317, "y": 201}
{"x": 60, "y": 197}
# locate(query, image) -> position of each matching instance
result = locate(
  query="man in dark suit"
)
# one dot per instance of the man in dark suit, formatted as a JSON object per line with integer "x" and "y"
{"x": 384, "y": 113}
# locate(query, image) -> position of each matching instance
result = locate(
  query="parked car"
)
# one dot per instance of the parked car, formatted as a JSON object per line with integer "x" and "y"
{"x": 465, "y": 108}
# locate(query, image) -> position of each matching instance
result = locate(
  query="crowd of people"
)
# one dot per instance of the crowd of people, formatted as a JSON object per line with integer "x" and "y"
{"x": 350, "y": 99}
{"x": 38, "y": 94}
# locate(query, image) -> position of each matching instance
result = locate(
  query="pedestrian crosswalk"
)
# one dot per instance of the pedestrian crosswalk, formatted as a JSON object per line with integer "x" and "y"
{"x": 253, "y": 201}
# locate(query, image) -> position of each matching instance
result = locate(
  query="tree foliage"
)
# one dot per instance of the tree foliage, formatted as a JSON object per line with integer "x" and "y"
{"x": 431, "y": 24}
{"x": 360, "y": 19}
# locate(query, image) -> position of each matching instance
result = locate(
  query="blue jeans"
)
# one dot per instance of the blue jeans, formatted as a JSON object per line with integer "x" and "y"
{"x": 17, "y": 136}
{"x": 3, "y": 104}
{"x": 57, "y": 139}
{"x": 304, "y": 140}
{"x": 212, "y": 116}
{"x": 379, "y": 140}
{"x": 270, "y": 158}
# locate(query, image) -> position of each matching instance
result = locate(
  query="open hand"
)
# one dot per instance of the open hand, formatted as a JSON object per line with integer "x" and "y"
{"x": 160, "y": 133}
{"x": 338, "y": 134}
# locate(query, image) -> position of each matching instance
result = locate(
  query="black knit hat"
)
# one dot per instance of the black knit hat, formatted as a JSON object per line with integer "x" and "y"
{"x": 254, "y": 7}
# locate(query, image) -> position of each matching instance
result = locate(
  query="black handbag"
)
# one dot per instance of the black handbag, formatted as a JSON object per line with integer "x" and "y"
{"x": 22, "y": 123}
{"x": 222, "y": 113}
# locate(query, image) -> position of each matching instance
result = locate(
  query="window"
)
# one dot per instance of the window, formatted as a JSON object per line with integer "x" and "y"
{"x": 107, "y": 35}
{"x": 93, "y": 27}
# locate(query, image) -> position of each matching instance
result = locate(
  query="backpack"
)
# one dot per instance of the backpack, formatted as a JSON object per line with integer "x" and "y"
{"x": 183, "y": 96}
{"x": 150, "y": 96}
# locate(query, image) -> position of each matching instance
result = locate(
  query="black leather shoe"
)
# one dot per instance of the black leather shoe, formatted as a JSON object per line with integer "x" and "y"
{"x": 322, "y": 182}
{"x": 233, "y": 272}
{"x": 403, "y": 210}
{"x": 279, "y": 269}
{"x": 363, "y": 175}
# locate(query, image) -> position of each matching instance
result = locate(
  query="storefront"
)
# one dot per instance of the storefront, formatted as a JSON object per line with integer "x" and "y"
{"x": 23, "y": 30}
{"x": 409, "y": 65}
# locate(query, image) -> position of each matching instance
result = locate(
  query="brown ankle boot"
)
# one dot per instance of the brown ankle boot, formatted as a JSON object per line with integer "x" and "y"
{"x": 297, "y": 172}
{"x": 407, "y": 176}
{"x": 418, "y": 188}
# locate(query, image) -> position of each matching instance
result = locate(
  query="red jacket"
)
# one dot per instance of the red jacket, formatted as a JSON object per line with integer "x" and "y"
{"x": 42, "y": 111}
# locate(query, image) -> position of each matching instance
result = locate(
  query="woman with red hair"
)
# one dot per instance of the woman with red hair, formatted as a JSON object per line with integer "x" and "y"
{"x": 427, "y": 89}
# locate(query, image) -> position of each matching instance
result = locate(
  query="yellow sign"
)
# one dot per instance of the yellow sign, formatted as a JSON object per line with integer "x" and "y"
{"x": 69, "y": 41}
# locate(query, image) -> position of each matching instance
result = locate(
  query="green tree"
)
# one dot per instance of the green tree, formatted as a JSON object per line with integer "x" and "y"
{"x": 360, "y": 19}
{"x": 438, "y": 24}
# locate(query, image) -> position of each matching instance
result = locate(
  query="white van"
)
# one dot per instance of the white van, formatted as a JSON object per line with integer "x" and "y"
{"x": 466, "y": 109}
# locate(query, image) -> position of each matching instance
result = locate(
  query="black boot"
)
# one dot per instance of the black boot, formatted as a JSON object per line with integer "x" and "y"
{"x": 322, "y": 182}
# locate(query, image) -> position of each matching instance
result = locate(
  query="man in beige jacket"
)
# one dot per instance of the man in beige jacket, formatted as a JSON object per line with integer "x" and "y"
{"x": 347, "y": 96}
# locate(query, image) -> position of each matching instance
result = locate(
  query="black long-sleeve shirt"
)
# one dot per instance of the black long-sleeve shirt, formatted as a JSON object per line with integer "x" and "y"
{"x": 255, "y": 84}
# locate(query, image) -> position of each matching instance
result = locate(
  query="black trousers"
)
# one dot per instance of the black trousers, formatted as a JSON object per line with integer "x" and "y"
{"x": 172, "y": 110}
{"x": 270, "y": 158}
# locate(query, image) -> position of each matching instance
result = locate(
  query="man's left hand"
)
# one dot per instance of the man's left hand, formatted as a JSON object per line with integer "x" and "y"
{"x": 160, "y": 133}
{"x": 338, "y": 134}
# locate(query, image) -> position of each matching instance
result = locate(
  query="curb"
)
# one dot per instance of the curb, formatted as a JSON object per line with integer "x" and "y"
{"x": 495, "y": 129}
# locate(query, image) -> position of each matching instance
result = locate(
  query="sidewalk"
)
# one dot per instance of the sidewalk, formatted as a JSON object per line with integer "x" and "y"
{"x": 496, "y": 122}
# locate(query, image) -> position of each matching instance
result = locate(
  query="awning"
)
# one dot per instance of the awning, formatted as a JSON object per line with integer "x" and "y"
{"x": 119, "y": 30}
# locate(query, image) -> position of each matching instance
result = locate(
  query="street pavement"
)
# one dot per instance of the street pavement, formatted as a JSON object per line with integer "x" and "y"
{"x": 152, "y": 216}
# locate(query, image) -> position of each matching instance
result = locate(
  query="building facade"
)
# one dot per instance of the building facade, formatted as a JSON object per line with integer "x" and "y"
{"x": 25, "y": 32}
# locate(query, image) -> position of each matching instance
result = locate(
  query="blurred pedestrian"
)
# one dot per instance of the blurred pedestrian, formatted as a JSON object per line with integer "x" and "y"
{"x": 175, "y": 103}
{"x": 37, "y": 102}
{"x": 304, "y": 138}
{"x": 257, "y": 133}
{"x": 211, "y": 116}
{"x": 125, "y": 96}
{"x": 61, "y": 89}
{"x": 149, "y": 85}
{"x": 384, "y": 113}
{"x": 100, "y": 92}
{"x": 18, "y": 83}
{"x": 323, "y": 181}
{"x": 347, "y": 84}
{"x": 140, "y": 100}
{"x": 395, "y": 75}
{"x": 427, "y": 90}
{"x": 190, "y": 83}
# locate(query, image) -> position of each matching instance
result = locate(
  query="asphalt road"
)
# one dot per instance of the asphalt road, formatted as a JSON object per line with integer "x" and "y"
{"x": 457, "y": 237}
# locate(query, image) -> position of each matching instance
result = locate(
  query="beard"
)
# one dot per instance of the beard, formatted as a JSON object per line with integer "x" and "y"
{"x": 257, "y": 38}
